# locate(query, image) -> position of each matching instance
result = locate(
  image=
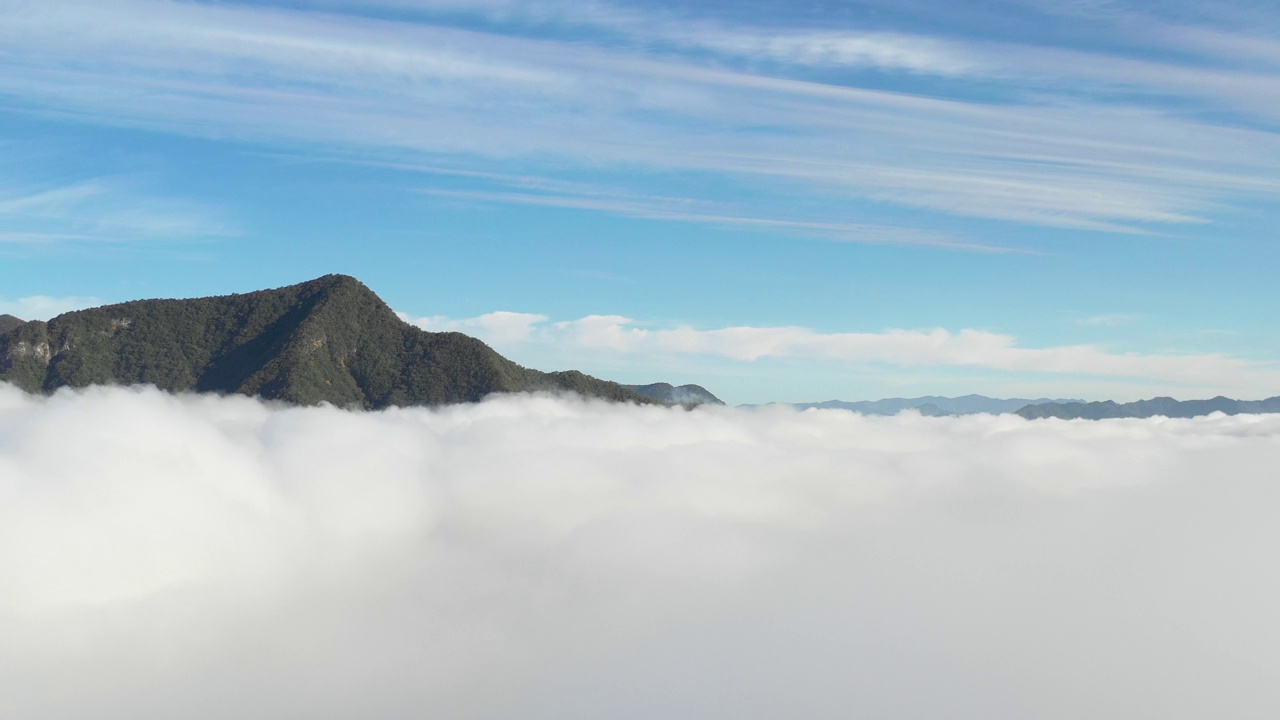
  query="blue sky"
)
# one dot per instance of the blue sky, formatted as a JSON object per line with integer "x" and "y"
{"x": 789, "y": 201}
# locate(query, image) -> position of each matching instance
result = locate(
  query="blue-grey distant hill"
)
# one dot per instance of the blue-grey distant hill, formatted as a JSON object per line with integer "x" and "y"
{"x": 932, "y": 405}
{"x": 682, "y": 395}
{"x": 8, "y": 322}
{"x": 1161, "y": 406}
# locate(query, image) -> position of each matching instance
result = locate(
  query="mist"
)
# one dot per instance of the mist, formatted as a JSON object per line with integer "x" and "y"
{"x": 539, "y": 557}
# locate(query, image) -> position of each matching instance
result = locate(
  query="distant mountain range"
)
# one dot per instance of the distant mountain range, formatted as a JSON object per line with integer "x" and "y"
{"x": 930, "y": 405}
{"x": 683, "y": 395}
{"x": 1045, "y": 408}
{"x": 328, "y": 340}
{"x": 1161, "y": 406}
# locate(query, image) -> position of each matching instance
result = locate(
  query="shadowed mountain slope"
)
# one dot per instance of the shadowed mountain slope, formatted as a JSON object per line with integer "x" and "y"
{"x": 9, "y": 322}
{"x": 1161, "y": 406}
{"x": 327, "y": 340}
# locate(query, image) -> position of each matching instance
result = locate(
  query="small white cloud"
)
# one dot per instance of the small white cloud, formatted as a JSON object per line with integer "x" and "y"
{"x": 1109, "y": 320}
{"x": 499, "y": 327}
{"x": 44, "y": 307}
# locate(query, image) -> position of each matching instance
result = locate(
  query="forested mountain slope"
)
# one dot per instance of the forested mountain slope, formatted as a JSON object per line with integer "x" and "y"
{"x": 328, "y": 340}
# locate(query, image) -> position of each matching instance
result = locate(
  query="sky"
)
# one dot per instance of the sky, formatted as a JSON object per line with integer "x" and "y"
{"x": 780, "y": 201}
{"x": 532, "y": 557}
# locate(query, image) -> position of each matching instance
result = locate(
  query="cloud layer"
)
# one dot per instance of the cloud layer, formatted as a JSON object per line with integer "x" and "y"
{"x": 535, "y": 557}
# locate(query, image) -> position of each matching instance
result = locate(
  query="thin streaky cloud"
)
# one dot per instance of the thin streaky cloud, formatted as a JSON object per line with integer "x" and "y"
{"x": 923, "y": 54}
{"x": 55, "y": 201}
{"x": 656, "y": 28}
{"x": 1235, "y": 48}
{"x": 359, "y": 85}
{"x": 553, "y": 192}
{"x": 105, "y": 210}
{"x": 1109, "y": 320}
{"x": 670, "y": 209}
{"x": 44, "y": 238}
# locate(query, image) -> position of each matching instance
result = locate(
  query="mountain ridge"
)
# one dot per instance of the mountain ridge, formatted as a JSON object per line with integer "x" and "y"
{"x": 681, "y": 395}
{"x": 933, "y": 405}
{"x": 331, "y": 339}
{"x": 1155, "y": 407}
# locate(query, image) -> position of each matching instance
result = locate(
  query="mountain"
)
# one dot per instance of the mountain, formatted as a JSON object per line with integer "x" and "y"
{"x": 9, "y": 322}
{"x": 683, "y": 395}
{"x": 931, "y": 405}
{"x": 1161, "y": 406}
{"x": 328, "y": 340}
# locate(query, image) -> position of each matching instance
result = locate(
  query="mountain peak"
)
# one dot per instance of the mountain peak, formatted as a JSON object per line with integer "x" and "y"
{"x": 683, "y": 395}
{"x": 330, "y": 339}
{"x": 335, "y": 283}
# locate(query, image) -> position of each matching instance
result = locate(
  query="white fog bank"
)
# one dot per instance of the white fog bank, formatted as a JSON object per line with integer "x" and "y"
{"x": 531, "y": 557}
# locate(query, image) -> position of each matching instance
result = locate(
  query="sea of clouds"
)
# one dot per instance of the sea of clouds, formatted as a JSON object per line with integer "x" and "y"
{"x": 536, "y": 557}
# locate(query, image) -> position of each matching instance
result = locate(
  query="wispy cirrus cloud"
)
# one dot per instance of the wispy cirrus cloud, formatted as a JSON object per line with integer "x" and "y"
{"x": 1109, "y": 320}
{"x": 110, "y": 210}
{"x": 1212, "y": 59}
{"x": 1069, "y": 146}
{"x": 552, "y": 192}
{"x": 671, "y": 29}
{"x": 689, "y": 211}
